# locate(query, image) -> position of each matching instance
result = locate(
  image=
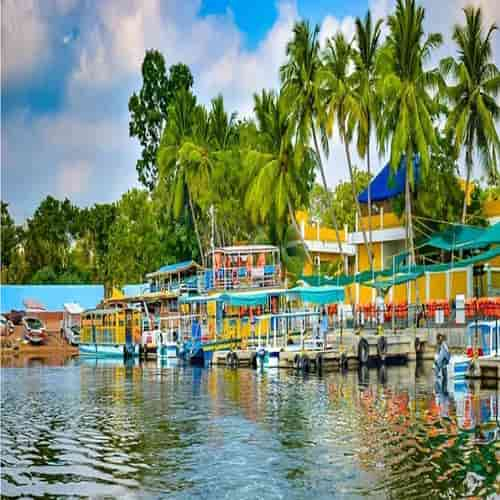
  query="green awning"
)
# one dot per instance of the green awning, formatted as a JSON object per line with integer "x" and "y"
{"x": 386, "y": 282}
{"x": 490, "y": 236}
{"x": 318, "y": 294}
{"x": 456, "y": 237}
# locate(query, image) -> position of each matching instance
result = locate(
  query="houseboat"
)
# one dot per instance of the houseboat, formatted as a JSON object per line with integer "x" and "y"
{"x": 111, "y": 332}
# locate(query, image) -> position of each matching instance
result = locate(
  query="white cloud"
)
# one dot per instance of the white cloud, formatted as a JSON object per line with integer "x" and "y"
{"x": 24, "y": 38}
{"x": 73, "y": 178}
{"x": 86, "y": 143}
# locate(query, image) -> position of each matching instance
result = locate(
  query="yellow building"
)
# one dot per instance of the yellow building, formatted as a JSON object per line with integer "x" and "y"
{"x": 322, "y": 244}
{"x": 388, "y": 236}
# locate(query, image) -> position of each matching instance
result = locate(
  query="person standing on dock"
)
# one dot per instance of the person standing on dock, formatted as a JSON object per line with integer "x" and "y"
{"x": 323, "y": 327}
{"x": 442, "y": 356}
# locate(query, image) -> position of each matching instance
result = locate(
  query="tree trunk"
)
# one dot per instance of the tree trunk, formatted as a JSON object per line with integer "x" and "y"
{"x": 468, "y": 164}
{"x": 195, "y": 224}
{"x": 356, "y": 201}
{"x": 334, "y": 217}
{"x": 296, "y": 227}
{"x": 368, "y": 169}
{"x": 409, "y": 223}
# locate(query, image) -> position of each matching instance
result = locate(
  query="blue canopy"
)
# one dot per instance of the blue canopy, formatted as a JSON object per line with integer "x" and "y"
{"x": 387, "y": 184}
{"x": 318, "y": 294}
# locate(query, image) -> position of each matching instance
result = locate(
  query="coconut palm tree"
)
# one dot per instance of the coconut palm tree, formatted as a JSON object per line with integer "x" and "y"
{"x": 473, "y": 96}
{"x": 300, "y": 76}
{"x": 280, "y": 174}
{"x": 184, "y": 168}
{"x": 406, "y": 123}
{"x": 365, "y": 78}
{"x": 342, "y": 104}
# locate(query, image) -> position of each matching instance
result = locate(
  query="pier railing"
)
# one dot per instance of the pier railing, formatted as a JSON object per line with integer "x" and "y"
{"x": 233, "y": 278}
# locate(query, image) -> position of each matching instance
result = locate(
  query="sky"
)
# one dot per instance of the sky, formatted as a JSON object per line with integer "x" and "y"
{"x": 69, "y": 67}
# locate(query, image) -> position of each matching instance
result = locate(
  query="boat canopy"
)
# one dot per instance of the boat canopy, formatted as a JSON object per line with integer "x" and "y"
{"x": 178, "y": 267}
{"x": 388, "y": 184}
{"x": 250, "y": 299}
{"x": 320, "y": 295}
{"x": 73, "y": 308}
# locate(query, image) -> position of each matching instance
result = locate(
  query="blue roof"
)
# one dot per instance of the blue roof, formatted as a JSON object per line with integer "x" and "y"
{"x": 387, "y": 184}
{"x": 135, "y": 290}
{"x": 177, "y": 267}
{"x": 51, "y": 296}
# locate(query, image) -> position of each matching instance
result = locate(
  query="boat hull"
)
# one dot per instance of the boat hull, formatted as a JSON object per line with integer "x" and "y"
{"x": 109, "y": 350}
{"x": 199, "y": 357}
{"x": 169, "y": 351}
{"x": 268, "y": 358}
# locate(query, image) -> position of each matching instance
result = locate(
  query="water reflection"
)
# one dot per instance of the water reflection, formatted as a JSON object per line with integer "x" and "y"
{"x": 105, "y": 428}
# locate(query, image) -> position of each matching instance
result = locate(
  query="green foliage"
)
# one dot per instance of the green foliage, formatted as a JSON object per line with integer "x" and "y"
{"x": 149, "y": 109}
{"x": 9, "y": 234}
{"x": 340, "y": 202}
{"x": 473, "y": 96}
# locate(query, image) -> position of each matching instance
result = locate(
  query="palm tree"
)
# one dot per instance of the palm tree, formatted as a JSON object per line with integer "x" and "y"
{"x": 408, "y": 106}
{"x": 475, "y": 108}
{"x": 280, "y": 173}
{"x": 342, "y": 104}
{"x": 299, "y": 76}
{"x": 184, "y": 168}
{"x": 365, "y": 77}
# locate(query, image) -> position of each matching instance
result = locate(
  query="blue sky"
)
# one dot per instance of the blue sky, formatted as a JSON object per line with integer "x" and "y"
{"x": 69, "y": 66}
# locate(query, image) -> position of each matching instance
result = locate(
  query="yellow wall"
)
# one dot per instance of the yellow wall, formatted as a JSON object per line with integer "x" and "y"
{"x": 389, "y": 219}
{"x": 437, "y": 286}
{"x": 491, "y": 208}
{"x": 311, "y": 232}
{"x": 364, "y": 263}
{"x": 458, "y": 283}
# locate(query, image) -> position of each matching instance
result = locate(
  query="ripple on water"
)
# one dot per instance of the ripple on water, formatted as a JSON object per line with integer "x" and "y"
{"x": 184, "y": 433}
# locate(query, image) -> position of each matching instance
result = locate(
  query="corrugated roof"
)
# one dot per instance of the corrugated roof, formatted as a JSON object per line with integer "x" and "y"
{"x": 178, "y": 267}
{"x": 52, "y": 296}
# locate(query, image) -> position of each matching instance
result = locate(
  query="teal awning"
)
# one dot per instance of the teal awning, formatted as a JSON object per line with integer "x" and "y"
{"x": 490, "y": 236}
{"x": 318, "y": 294}
{"x": 386, "y": 282}
{"x": 457, "y": 237}
{"x": 249, "y": 299}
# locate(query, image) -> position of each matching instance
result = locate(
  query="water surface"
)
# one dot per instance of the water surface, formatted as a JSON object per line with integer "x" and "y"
{"x": 100, "y": 428}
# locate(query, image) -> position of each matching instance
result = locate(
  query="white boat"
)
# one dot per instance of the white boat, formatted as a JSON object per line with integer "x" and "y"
{"x": 482, "y": 343}
{"x": 109, "y": 350}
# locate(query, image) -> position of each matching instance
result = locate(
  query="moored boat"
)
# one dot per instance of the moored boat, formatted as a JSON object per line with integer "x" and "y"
{"x": 111, "y": 332}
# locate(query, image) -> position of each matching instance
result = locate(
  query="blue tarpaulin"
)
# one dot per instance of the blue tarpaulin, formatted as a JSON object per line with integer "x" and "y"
{"x": 389, "y": 184}
{"x": 51, "y": 296}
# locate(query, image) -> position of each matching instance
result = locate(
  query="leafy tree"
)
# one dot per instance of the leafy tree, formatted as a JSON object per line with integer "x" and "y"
{"x": 49, "y": 235}
{"x": 9, "y": 235}
{"x": 365, "y": 81}
{"x": 340, "y": 202}
{"x": 475, "y": 107}
{"x": 134, "y": 246}
{"x": 408, "y": 105}
{"x": 438, "y": 194}
{"x": 301, "y": 78}
{"x": 343, "y": 105}
{"x": 149, "y": 109}
{"x": 280, "y": 173}
{"x": 184, "y": 168}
